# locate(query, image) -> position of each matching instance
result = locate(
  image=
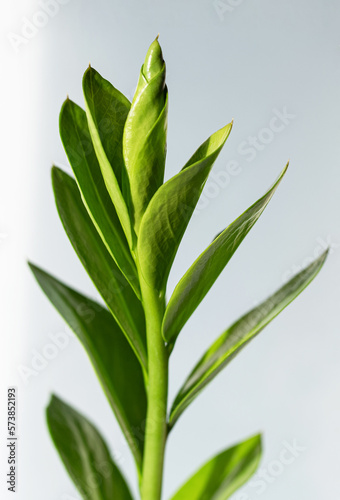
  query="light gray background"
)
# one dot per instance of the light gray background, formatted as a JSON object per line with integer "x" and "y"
{"x": 243, "y": 63}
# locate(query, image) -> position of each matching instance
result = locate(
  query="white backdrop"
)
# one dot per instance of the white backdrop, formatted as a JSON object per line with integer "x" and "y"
{"x": 253, "y": 61}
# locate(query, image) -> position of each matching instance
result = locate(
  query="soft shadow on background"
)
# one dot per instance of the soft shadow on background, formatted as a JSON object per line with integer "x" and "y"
{"x": 274, "y": 68}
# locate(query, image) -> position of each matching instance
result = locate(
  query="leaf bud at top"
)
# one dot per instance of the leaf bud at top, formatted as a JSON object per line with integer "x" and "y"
{"x": 154, "y": 62}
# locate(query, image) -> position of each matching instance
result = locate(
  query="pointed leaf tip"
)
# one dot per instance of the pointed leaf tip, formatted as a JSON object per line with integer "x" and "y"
{"x": 98, "y": 262}
{"x": 170, "y": 210}
{"x": 82, "y": 450}
{"x": 145, "y": 132}
{"x": 197, "y": 281}
{"x": 54, "y": 399}
{"x": 154, "y": 62}
{"x": 221, "y": 476}
{"x": 110, "y": 218}
{"x": 106, "y": 346}
{"x": 238, "y": 335}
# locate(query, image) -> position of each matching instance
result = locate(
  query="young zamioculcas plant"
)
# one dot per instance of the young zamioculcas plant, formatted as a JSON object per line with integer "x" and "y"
{"x": 126, "y": 225}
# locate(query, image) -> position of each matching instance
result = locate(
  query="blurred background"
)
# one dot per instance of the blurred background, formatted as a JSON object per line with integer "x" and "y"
{"x": 274, "y": 68}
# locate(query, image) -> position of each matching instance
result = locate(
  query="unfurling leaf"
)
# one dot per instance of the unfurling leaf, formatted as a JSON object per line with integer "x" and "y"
{"x": 110, "y": 282}
{"x": 85, "y": 454}
{"x": 113, "y": 359}
{"x": 200, "y": 277}
{"x": 219, "y": 478}
{"x": 236, "y": 337}
{"x": 144, "y": 140}
{"x": 170, "y": 210}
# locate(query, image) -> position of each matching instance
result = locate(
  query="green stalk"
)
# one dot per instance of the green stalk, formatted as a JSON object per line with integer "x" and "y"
{"x": 156, "y": 421}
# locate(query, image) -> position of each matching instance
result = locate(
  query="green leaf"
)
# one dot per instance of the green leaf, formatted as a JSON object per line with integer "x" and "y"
{"x": 110, "y": 354}
{"x": 106, "y": 276}
{"x": 78, "y": 145}
{"x": 144, "y": 140}
{"x": 170, "y": 210}
{"x": 200, "y": 277}
{"x": 107, "y": 110}
{"x": 85, "y": 454}
{"x": 219, "y": 478}
{"x": 237, "y": 336}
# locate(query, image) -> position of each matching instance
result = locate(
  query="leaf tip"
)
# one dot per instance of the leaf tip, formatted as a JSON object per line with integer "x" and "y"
{"x": 282, "y": 174}
{"x": 52, "y": 402}
{"x": 257, "y": 441}
{"x": 55, "y": 171}
{"x": 36, "y": 271}
{"x": 154, "y": 62}
{"x": 226, "y": 130}
{"x": 321, "y": 259}
{"x": 87, "y": 74}
{"x": 31, "y": 266}
{"x": 64, "y": 108}
{"x": 53, "y": 398}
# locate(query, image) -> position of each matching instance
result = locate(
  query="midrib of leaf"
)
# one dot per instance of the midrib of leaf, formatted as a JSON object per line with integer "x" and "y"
{"x": 182, "y": 401}
{"x": 221, "y": 494}
{"x": 232, "y": 341}
{"x": 197, "y": 271}
{"x": 85, "y": 463}
{"x": 78, "y": 431}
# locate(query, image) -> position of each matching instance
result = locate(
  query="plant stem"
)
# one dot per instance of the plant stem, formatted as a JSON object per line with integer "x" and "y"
{"x": 156, "y": 421}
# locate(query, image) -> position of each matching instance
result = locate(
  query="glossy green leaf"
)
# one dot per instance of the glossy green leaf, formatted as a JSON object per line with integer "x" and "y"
{"x": 144, "y": 140}
{"x": 200, "y": 277}
{"x": 236, "y": 337}
{"x": 113, "y": 359}
{"x": 107, "y": 110}
{"x": 85, "y": 454}
{"x": 219, "y": 478}
{"x": 78, "y": 145}
{"x": 170, "y": 210}
{"x": 110, "y": 282}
